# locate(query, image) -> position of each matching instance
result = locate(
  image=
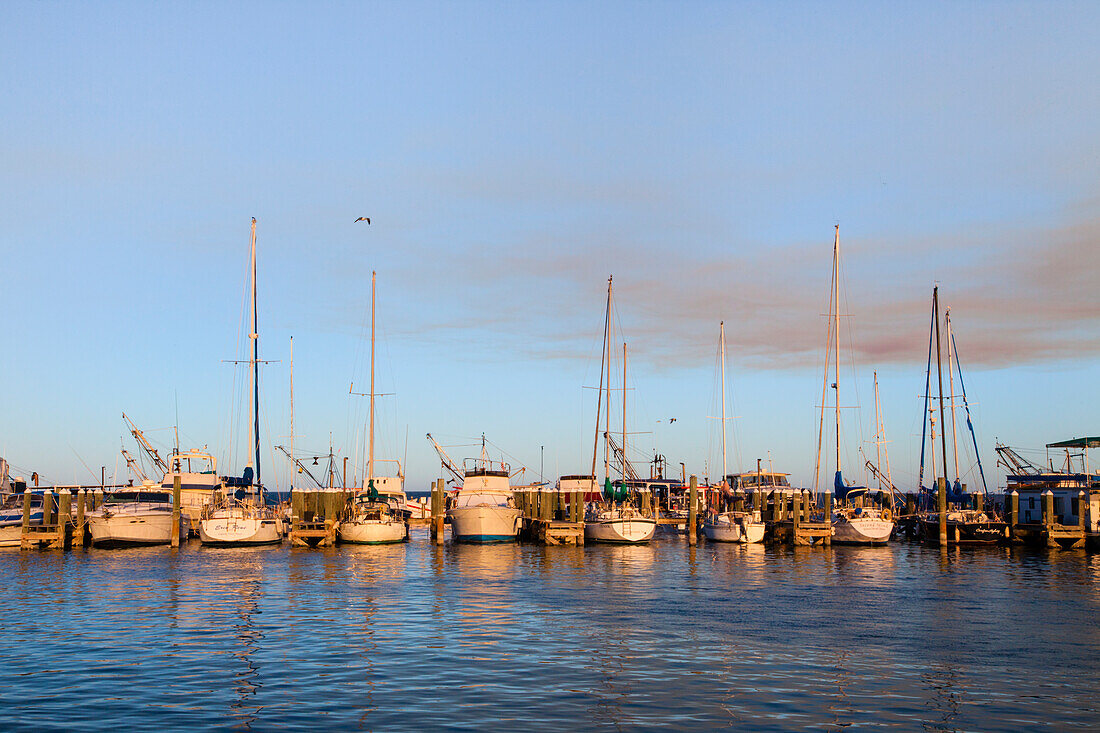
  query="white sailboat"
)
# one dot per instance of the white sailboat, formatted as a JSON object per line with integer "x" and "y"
{"x": 238, "y": 514}
{"x": 377, "y": 513}
{"x": 731, "y": 526}
{"x": 138, "y": 516}
{"x": 484, "y": 508}
{"x": 854, "y": 520}
{"x": 614, "y": 520}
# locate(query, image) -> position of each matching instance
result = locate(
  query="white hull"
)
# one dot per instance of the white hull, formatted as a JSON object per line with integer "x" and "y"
{"x": 620, "y": 530}
{"x": 725, "y": 528}
{"x": 11, "y": 535}
{"x": 485, "y": 523}
{"x": 372, "y": 532}
{"x": 141, "y": 528}
{"x": 233, "y": 527}
{"x": 864, "y": 530}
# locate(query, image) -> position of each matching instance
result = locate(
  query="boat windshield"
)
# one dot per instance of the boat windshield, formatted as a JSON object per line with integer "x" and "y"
{"x": 480, "y": 499}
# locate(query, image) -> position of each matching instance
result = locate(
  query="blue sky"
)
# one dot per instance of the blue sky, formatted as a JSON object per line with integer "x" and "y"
{"x": 511, "y": 156}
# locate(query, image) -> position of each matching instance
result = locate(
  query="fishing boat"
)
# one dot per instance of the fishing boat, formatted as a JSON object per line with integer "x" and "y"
{"x": 376, "y": 514}
{"x": 619, "y": 518}
{"x": 484, "y": 509}
{"x": 138, "y": 516}
{"x": 855, "y": 519}
{"x": 239, "y": 514}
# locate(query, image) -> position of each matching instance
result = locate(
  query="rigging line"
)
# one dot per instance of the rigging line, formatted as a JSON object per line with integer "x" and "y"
{"x": 966, "y": 408}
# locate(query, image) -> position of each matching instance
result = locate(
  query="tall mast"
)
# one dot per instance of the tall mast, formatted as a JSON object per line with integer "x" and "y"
{"x": 939, "y": 374}
{"x": 370, "y": 440}
{"x": 880, "y": 438}
{"x": 951, "y": 389}
{"x": 607, "y": 401}
{"x": 292, "y": 465}
{"x": 624, "y": 413}
{"x": 722, "y": 348}
{"x": 836, "y": 340}
{"x": 255, "y": 336}
{"x": 603, "y": 357}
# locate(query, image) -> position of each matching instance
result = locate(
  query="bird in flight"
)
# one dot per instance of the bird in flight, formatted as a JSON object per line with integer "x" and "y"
{"x": 362, "y": 218}
{"x": 671, "y": 420}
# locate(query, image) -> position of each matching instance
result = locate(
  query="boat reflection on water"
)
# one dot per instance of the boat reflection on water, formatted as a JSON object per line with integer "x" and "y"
{"x": 245, "y": 709}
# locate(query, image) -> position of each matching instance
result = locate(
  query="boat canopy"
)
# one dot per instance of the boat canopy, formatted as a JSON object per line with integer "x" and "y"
{"x": 1093, "y": 442}
{"x": 842, "y": 491}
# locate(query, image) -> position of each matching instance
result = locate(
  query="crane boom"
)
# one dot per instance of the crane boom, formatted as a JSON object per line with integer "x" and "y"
{"x": 146, "y": 446}
{"x": 1013, "y": 461}
{"x": 446, "y": 461}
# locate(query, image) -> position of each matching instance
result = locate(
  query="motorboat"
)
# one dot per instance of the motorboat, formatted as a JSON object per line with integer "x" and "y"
{"x": 139, "y": 516}
{"x": 484, "y": 507}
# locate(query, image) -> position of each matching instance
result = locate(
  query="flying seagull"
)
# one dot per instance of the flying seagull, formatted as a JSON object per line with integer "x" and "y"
{"x": 362, "y": 218}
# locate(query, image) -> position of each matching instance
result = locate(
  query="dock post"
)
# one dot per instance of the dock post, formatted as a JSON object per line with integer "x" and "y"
{"x": 64, "y": 518}
{"x": 1012, "y": 504}
{"x": 693, "y": 509}
{"x": 78, "y": 528}
{"x": 578, "y": 499}
{"x": 297, "y": 505}
{"x": 437, "y": 512}
{"x": 805, "y": 505}
{"x": 331, "y": 502}
{"x": 979, "y": 501}
{"x": 757, "y": 503}
{"x": 27, "y": 497}
{"x": 47, "y": 507}
{"x": 97, "y": 498}
{"x": 910, "y": 504}
{"x": 1048, "y": 507}
{"x": 796, "y": 512}
{"x": 1082, "y": 504}
{"x": 177, "y": 492}
{"x": 941, "y": 507}
{"x": 780, "y": 506}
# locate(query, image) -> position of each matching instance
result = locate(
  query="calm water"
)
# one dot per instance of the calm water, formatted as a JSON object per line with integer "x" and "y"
{"x": 514, "y": 637}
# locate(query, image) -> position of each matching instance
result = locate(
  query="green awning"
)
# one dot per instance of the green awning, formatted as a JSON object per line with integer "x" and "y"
{"x": 1077, "y": 443}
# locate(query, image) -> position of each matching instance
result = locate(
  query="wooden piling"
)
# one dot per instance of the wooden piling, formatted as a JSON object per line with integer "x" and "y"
{"x": 297, "y": 505}
{"x": 177, "y": 492}
{"x": 78, "y": 528}
{"x": 1013, "y": 505}
{"x": 438, "y": 501}
{"x": 1048, "y": 507}
{"x": 693, "y": 509}
{"x": 1082, "y": 505}
{"x": 47, "y": 507}
{"x": 27, "y": 501}
{"x": 64, "y": 519}
{"x": 979, "y": 501}
{"x": 796, "y": 511}
{"x": 941, "y": 507}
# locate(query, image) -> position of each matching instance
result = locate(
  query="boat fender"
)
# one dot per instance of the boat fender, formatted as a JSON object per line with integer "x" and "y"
{"x": 887, "y": 515}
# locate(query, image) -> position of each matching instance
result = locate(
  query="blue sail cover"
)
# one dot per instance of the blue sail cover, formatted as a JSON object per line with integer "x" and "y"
{"x": 841, "y": 490}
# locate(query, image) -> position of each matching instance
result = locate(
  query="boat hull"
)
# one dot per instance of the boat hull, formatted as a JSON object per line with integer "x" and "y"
{"x": 146, "y": 528}
{"x": 372, "y": 533}
{"x": 626, "y": 531}
{"x": 967, "y": 533}
{"x": 485, "y": 524}
{"x": 11, "y": 535}
{"x": 221, "y": 530}
{"x": 862, "y": 530}
{"x": 734, "y": 530}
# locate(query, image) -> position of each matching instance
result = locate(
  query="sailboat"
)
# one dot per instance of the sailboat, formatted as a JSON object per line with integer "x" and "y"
{"x": 377, "y": 513}
{"x": 238, "y": 513}
{"x": 615, "y": 519}
{"x": 730, "y": 526}
{"x": 971, "y": 525}
{"x": 484, "y": 508}
{"x": 855, "y": 520}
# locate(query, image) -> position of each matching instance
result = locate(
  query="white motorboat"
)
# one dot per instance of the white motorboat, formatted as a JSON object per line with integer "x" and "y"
{"x": 376, "y": 515}
{"x": 139, "y": 517}
{"x": 743, "y": 527}
{"x": 484, "y": 508}
{"x": 11, "y": 518}
{"x": 619, "y": 525}
{"x": 862, "y": 525}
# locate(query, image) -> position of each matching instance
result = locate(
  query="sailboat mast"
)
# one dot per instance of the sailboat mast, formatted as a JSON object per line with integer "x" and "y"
{"x": 722, "y": 348}
{"x": 292, "y": 465}
{"x": 599, "y": 393}
{"x": 836, "y": 340}
{"x": 878, "y": 430}
{"x": 607, "y": 402}
{"x": 254, "y": 335}
{"x": 939, "y": 374}
{"x": 624, "y": 413}
{"x": 951, "y": 389}
{"x": 370, "y": 440}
